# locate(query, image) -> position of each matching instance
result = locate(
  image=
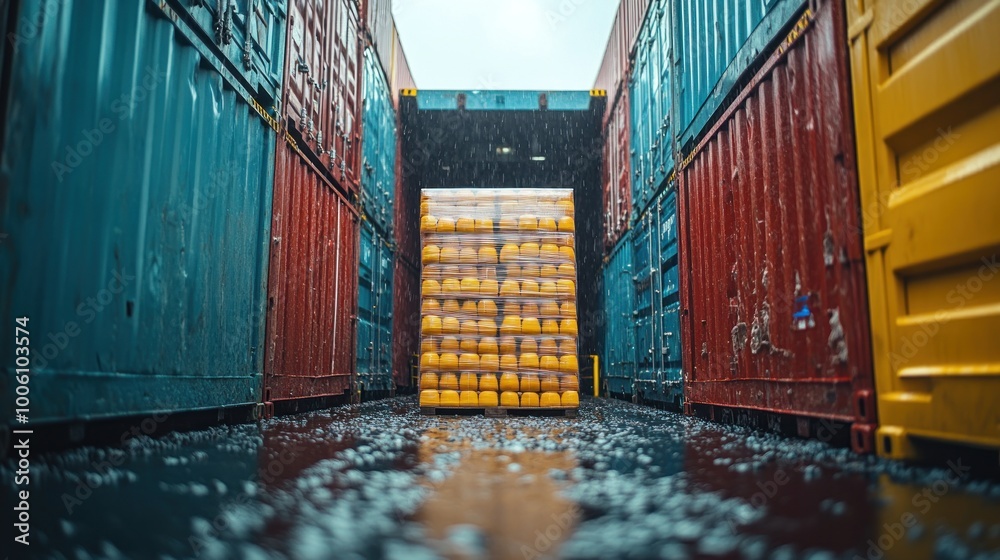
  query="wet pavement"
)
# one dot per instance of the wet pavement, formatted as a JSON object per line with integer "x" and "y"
{"x": 380, "y": 481}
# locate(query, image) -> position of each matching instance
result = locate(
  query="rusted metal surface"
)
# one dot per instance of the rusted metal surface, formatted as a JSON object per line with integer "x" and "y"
{"x": 406, "y": 321}
{"x": 322, "y": 86}
{"x": 616, "y": 171}
{"x": 774, "y": 308}
{"x": 313, "y": 284}
{"x": 614, "y": 68}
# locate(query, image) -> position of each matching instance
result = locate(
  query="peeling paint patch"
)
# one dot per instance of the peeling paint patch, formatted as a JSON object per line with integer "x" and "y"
{"x": 828, "y": 248}
{"x": 760, "y": 332}
{"x": 837, "y": 341}
{"x": 739, "y": 335}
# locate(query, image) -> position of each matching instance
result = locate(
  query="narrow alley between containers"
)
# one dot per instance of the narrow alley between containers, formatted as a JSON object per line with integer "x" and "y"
{"x": 378, "y": 480}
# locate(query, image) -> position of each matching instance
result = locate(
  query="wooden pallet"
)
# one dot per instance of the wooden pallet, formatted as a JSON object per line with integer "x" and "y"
{"x": 498, "y": 412}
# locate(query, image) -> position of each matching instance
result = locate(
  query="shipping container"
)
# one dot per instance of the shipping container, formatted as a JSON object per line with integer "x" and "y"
{"x": 513, "y": 139}
{"x": 927, "y": 100}
{"x": 650, "y": 92}
{"x": 136, "y": 207}
{"x": 405, "y": 322}
{"x": 617, "y": 190}
{"x": 401, "y": 78}
{"x": 774, "y": 313}
{"x": 248, "y": 38}
{"x": 379, "y": 28}
{"x": 312, "y": 286}
{"x": 374, "y": 317}
{"x": 378, "y": 147}
{"x": 614, "y": 69}
{"x": 322, "y": 86}
{"x": 618, "y": 358}
{"x": 657, "y": 304}
{"x": 715, "y": 45}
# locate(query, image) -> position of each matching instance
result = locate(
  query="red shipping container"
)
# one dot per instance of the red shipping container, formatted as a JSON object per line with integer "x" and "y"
{"x": 322, "y": 86}
{"x": 617, "y": 191}
{"x": 405, "y": 321}
{"x": 774, "y": 301}
{"x": 613, "y": 73}
{"x": 312, "y": 284}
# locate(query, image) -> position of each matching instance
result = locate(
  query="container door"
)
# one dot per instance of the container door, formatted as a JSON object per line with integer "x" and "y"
{"x": 927, "y": 96}
{"x": 367, "y": 291}
{"x": 663, "y": 94}
{"x": 670, "y": 328}
{"x": 619, "y": 368}
{"x": 643, "y": 312}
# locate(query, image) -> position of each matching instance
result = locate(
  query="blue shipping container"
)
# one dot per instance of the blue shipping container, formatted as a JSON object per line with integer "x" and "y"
{"x": 136, "y": 202}
{"x": 618, "y": 362}
{"x": 247, "y": 36}
{"x": 657, "y": 304}
{"x": 503, "y": 100}
{"x": 374, "y": 331}
{"x": 378, "y": 146}
{"x": 650, "y": 89}
{"x": 715, "y": 42}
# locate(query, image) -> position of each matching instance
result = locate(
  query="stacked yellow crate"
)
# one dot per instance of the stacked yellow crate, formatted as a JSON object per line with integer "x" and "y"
{"x": 498, "y": 298}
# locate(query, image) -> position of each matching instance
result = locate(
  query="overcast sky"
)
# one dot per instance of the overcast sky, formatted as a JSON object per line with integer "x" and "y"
{"x": 504, "y": 44}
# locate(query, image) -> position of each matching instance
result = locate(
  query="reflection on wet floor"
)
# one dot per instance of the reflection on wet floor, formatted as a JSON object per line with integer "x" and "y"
{"x": 380, "y": 481}
{"x": 501, "y": 503}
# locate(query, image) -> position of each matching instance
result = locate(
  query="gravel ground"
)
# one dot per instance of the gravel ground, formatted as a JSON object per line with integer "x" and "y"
{"x": 380, "y": 481}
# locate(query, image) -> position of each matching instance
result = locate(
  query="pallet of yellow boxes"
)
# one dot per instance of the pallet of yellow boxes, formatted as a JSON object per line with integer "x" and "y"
{"x": 498, "y": 301}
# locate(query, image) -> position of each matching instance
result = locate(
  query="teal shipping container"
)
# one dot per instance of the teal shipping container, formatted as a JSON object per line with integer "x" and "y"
{"x": 650, "y": 95}
{"x": 378, "y": 146}
{"x": 658, "y": 373}
{"x": 618, "y": 361}
{"x": 715, "y": 42}
{"x": 135, "y": 202}
{"x": 374, "y": 325}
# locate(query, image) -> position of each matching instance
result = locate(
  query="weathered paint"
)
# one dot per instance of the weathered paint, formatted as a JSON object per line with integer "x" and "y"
{"x": 613, "y": 72}
{"x": 616, "y": 176}
{"x": 650, "y": 92}
{"x": 775, "y": 316}
{"x": 322, "y": 86}
{"x": 137, "y": 205}
{"x": 405, "y": 321}
{"x": 657, "y": 303}
{"x": 618, "y": 359}
{"x": 715, "y": 43}
{"x": 499, "y": 100}
{"x": 378, "y": 147}
{"x": 247, "y": 37}
{"x": 927, "y": 98}
{"x": 374, "y": 324}
{"x": 312, "y": 284}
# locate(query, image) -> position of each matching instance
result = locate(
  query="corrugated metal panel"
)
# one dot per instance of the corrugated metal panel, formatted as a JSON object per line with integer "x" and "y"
{"x": 715, "y": 42}
{"x": 401, "y": 76}
{"x": 617, "y": 190}
{"x": 322, "y": 86}
{"x": 374, "y": 325}
{"x": 614, "y": 68}
{"x": 247, "y": 36}
{"x": 927, "y": 92}
{"x": 379, "y": 27}
{"x": 500, "y": 100}
{"x": 650, "y": 91}
{"x": 618, "y": 362}
{"x": 378, "y": 147}
{"x": 406, "y": 321}
{"x": 312, "y": 284}
{"x": 775, "y": 314}
{"x": 137, "y": 206}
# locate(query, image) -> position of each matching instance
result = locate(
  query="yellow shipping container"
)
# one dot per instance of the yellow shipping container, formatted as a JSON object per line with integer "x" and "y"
{"x": 926, "y": 78}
